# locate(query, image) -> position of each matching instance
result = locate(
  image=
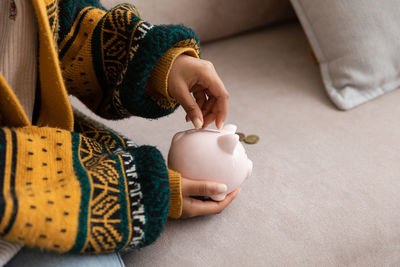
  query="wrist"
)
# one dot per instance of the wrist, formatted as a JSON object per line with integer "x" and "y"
{"x": 158, "y": 82}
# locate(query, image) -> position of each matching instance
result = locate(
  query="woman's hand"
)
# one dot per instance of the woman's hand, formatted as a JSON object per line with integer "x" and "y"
{"x": 193, "y": 207}
{"x": 195, "y": 76}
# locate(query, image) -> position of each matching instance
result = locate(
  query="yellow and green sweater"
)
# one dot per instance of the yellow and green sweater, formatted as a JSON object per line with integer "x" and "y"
{"x": 68, "y": 183}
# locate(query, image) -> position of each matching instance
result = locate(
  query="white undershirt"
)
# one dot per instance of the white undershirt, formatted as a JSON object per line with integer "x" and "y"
{"x": 18, "y": 51}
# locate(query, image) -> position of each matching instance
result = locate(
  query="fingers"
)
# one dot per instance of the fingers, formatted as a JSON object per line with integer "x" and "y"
{"x": 222, "y": 110}
{"x": 208, "y": 115}
{"x": 208, "y": 106}
{"x": 202, "y": 188}
{"x": 213, "y": 112}
{"x": 201, "y": 99}
{"x": 209, "y": 92}
{"x": 189, "y": 104}
{"x": 216, "y": 89}
{"x": 200, "y": 96}
{"x": 194, "y": 207}
{"x": 209, "y": 118}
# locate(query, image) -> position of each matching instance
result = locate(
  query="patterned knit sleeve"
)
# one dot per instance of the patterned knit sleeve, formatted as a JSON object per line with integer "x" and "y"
{"x": 87, "y": 191}
{"x": 118, "y": 64}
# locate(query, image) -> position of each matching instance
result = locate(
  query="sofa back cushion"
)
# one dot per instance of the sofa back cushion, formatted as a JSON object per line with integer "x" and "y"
{"x": 212, "y": 19}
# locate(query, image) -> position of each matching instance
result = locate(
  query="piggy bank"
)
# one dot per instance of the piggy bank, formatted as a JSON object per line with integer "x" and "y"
{"x": 215, "y": 155}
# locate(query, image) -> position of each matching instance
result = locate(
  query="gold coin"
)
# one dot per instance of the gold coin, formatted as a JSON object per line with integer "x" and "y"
{"x": 251, "y": 139}
{"x": 241, "y": 136}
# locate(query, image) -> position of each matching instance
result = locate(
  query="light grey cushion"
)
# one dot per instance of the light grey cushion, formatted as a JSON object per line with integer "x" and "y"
{"x": 357, "y": 43}
{"x": 212, "y": 19}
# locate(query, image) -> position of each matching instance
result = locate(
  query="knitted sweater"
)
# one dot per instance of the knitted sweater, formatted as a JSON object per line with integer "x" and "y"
{"x": 70, "y": 184}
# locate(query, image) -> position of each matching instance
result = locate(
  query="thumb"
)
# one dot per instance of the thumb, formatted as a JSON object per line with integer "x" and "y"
{"x": 189, "y": 104}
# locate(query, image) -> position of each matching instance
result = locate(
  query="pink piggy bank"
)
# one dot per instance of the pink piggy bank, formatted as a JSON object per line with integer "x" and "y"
{"x": 210, "y": 155}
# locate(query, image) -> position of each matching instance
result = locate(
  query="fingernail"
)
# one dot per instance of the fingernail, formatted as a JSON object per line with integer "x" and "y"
{"x": 221, "y": 126}
{"x": 222, "y": 188}
{"x": 197, "y": 123}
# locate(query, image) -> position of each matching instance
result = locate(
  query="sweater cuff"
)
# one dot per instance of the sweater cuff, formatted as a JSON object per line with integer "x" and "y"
{"x": 155, "y": 192}
{"x": 158, "y": 80}
{"x": 176, "y": 199}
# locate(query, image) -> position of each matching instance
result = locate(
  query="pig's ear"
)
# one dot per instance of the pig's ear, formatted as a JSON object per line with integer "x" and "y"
{"x": 228, "y": 142}
{"x": 230, "y": 128}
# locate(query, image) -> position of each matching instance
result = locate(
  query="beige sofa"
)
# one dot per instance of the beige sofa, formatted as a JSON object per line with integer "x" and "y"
{"x": 325, "y": 186}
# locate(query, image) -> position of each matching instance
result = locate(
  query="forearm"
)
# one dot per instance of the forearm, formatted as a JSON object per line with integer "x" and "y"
{"x": 115, "y": 69}
{"x": 110, "y": 138}
{"x": 63, "y": 190}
